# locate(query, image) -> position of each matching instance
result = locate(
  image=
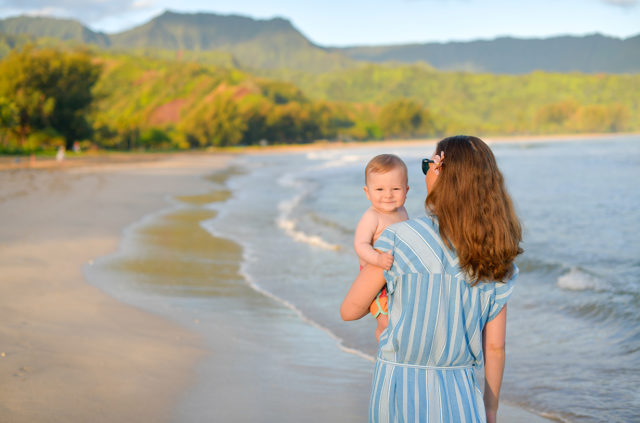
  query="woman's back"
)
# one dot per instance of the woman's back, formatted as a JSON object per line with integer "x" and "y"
{"x": 435, "y": 316}
{"x": 427, "y": 354}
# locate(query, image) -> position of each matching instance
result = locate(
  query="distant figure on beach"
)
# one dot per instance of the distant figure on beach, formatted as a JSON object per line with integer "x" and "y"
{"x": 452, "y": 274}
{"x": 60, "y": 153}
{"x": 386, "y": 187}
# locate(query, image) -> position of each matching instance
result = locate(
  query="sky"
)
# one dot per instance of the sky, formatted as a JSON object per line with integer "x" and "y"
{"x": 370, "y": 22}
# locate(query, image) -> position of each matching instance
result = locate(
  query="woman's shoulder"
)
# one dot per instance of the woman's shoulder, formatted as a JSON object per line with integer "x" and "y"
{"x": 419, "y": 224}
{"x": 405, "y": 232}
{"x": 421, "y": 229}
{"x": 417, "y": 241}
{"x": 426, "y": 222}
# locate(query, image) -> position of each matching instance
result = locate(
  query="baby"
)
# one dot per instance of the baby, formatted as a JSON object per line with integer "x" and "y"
{"x": 386, "y": 187}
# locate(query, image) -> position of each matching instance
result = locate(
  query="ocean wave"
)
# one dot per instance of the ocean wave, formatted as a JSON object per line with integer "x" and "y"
{"x": 289, "y": 225}
{"x": 330, "y": 224}
{"x": 342, "y": 161}
{"x": 528, "y": 264}
{"x": 289, "y": 228}
{"x": 336, "y": 158}
{"x": 579, "y": 280}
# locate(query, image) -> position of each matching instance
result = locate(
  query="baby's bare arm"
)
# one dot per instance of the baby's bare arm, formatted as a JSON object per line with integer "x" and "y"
{"x": 363, "y": 241}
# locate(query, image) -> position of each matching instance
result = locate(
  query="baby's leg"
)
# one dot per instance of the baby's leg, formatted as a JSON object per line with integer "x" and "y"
{"x": 382, "y": 323}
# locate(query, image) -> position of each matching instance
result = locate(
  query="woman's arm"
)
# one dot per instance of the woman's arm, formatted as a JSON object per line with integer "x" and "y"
{"x": 493, "y": 341}
{"x": 356, "y": 303}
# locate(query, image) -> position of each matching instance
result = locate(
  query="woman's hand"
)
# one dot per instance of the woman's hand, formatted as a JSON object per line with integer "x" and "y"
{"x": 363, "y": 291}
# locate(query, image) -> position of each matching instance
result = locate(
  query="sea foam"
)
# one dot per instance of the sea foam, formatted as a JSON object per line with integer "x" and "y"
{"x": 289, "y": 224}
{"x": 579, "y": 280}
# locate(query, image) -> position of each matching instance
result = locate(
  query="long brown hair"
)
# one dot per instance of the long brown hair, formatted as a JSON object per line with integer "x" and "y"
{"x": 475, "y": 213}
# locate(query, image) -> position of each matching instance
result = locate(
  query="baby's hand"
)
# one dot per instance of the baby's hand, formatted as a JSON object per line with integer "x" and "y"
{"x": 385, "y": 260}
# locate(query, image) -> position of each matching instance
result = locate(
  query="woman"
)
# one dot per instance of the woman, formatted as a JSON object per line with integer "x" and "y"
{"x": 452, "y": 275}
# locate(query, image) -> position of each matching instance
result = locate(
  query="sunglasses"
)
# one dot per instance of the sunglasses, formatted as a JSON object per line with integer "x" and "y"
{"x": 425, "y": 165}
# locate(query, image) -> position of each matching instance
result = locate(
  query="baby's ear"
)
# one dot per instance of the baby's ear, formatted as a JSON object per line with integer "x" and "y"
{"x": 366, "y": 192}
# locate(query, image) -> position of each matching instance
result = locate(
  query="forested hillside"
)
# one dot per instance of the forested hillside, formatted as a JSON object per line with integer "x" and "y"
{"x": 540, "y": 102}
{"x": 139, "y": 102}
{"x": 129, "y": 101}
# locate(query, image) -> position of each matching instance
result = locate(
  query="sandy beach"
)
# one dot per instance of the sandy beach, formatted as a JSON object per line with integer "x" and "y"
{"x": 70, "y": 352}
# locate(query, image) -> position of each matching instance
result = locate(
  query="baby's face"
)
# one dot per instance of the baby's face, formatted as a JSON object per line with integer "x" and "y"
{"x": 387, "y": 191}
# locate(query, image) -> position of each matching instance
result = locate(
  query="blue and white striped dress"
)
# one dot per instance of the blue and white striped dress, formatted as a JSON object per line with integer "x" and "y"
{"x": 427, "y": 354}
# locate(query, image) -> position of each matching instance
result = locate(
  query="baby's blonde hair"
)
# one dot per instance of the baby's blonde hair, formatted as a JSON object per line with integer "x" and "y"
{"x": 383, "y": 163}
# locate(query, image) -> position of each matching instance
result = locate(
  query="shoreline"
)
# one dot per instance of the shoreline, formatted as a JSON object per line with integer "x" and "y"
{"x": 103, "y": 158}
{"x": 515, "y": 139}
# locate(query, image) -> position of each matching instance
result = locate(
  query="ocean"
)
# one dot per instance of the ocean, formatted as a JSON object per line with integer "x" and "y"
{"x": 573, "y": 341}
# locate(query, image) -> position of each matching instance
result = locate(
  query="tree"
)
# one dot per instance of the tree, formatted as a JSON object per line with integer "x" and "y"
{"x": 553, "y": 117}
{"x": 600, "y": 118}
{"x": 8, "y": 118}
{"x": 255, "y": 114}
{"x": 217, "y": 122}
{"x": 405, "y": 117}
{"x": 51, "y": 89}
{"x": 281, "y": 92}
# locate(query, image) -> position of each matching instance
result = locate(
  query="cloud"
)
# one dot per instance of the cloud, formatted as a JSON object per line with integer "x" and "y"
{"x": 621, "y": 3}
{"x": 142, "y": 4}
{"x": 87, "y": 11}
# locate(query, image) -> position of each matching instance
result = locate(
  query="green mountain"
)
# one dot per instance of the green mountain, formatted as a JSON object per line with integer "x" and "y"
{"x": 203, "y": 31}
{"x": 589, "y": 54}
{"x": 275, "y": 44}
{"x": 258, "y": 44}
{"x": 63, "y": 29}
